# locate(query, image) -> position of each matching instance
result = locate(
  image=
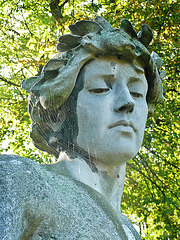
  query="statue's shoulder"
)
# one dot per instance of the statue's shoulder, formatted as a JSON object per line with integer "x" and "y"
{"x": 14, "y": 165}
{"x": 32, "y": 180}
{"x": 16, "y": 173}
{"x": 14, "y": 160}
{"x": 129, "y": 228}
{"x": 44, "y": 194}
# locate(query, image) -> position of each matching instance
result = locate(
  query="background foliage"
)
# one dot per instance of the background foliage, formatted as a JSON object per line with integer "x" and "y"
{"x": 28, "y": 36}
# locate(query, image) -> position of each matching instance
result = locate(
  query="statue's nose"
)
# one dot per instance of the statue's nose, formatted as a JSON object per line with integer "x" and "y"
{"x": 124, "y": 102}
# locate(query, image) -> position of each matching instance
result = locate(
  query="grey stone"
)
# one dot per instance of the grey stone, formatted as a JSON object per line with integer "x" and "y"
{"x": 88, "y": 108}
{"x": 42, "y": 202}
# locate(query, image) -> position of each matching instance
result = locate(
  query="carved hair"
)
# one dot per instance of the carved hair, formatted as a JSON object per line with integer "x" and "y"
{"x": 53, "y": 94}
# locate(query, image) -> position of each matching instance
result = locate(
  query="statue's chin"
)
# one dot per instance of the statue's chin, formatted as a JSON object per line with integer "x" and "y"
{"x": 114, "y": 159}
{"x": 110, "y": 156}
{"x": 114, "y": 148}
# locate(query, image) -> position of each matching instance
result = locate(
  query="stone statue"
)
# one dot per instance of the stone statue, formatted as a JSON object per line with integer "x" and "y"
{"x": 88, "y": 108}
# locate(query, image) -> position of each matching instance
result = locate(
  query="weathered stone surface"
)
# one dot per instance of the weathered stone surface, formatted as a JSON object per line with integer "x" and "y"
{"x": 89, "y": 40}
{"x": 91, "y": 101}
{"x": 42, "y": 202}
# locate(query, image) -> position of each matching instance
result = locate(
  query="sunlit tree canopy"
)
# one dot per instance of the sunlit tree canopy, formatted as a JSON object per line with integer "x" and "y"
{"x": 28, "y": 36}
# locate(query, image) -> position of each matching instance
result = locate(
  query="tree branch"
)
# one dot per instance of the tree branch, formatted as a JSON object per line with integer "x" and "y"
{"x": 154, "y": 174}
{"x": 56, "y": 9}
{"x": 165, "y": 16}
{"x": 25, "y": 23}
{"x": 140, "y": 171}
{"x": 149, "y": 178}
{"x": 9, "y": 82}
{"x": 14, "y": 31}
{"x": 157, "y": 155}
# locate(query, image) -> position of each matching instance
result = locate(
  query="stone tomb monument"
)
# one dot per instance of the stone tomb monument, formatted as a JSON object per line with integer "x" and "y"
{"x": 89, "y": 109}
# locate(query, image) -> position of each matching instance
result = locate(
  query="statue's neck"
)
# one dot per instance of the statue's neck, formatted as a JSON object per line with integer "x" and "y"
{"x": 109, "y": 181}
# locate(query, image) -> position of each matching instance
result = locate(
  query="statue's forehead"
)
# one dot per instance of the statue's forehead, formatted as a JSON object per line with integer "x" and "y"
{"x": 108, "y": 66}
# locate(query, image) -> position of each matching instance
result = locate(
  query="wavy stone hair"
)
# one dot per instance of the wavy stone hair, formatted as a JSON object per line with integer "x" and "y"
{"x": 53, "y": 94}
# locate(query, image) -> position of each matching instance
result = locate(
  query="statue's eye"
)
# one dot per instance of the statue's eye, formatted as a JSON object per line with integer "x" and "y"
{"x": 99, "y": 90}
{"x": 136, "y": 94}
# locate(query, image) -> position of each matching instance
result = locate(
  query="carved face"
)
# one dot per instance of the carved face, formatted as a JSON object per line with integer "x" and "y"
{"x": 112, "y": 110}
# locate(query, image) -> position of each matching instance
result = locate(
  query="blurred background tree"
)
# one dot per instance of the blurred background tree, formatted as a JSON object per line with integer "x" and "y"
{"x": 28, "y": 35}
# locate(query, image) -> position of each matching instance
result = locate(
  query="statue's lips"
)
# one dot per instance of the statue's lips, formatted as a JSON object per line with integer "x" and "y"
{"x": 125, "y": 123}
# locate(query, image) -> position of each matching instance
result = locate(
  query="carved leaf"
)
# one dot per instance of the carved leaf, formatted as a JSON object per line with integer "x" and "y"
{"x": 67, "y": 42}
{"x": 157, "y": 60}
{"x": 62, "y": 47}
{"x": 105, "y": 24}
{"x": 54, "y": 64}
{"x": 128, "y": 28}
{"x": 29, "y": 82}
{"x": 145, "y": 35}
{"x": 84, "y": 27}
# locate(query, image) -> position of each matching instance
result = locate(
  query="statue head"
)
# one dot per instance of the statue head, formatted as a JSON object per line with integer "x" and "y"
{"x": 62, "y": 99}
